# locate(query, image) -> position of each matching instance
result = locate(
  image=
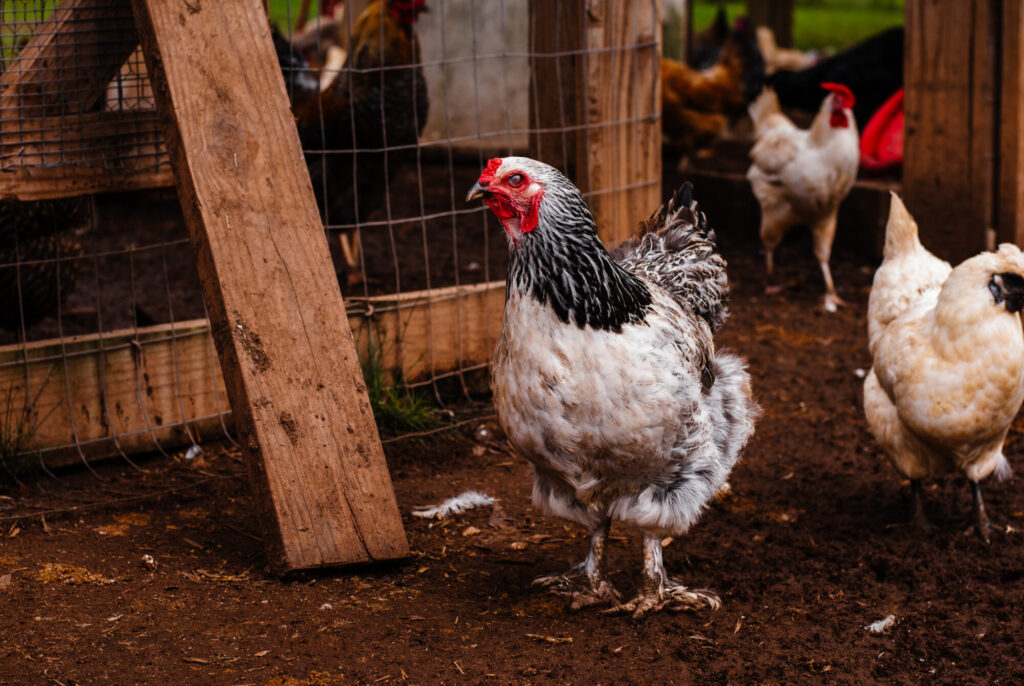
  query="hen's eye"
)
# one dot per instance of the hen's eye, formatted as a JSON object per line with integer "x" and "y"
{"x": 515, "y": 180}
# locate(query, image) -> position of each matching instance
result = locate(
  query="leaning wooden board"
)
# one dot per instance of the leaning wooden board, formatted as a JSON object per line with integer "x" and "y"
{"x": 278, "y": 319}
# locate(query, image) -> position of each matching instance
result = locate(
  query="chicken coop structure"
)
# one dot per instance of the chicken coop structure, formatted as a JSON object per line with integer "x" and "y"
{"x": 108, "y": 346}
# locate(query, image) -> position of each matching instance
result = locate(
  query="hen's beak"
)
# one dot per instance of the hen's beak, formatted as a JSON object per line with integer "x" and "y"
{"x": 476, "y": 192}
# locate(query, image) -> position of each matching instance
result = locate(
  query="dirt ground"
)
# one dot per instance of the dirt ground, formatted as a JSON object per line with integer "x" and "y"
{"x": 806, "y": 552}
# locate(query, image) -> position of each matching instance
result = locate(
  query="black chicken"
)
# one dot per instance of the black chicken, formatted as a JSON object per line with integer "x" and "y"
{"x": 38, "y": 251}
{"x": 359, "y": 131}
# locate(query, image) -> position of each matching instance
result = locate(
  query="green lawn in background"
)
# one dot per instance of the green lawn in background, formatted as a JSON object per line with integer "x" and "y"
{"x": 821, "y": 25}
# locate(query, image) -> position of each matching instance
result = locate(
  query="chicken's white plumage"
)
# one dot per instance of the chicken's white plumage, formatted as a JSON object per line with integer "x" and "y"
{"x": 607, "y": 380}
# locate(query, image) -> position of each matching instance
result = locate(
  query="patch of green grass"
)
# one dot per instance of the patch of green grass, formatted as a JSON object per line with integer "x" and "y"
{"x": 396, "y": 409}
{"x": 284, "y": 13}
{"x": 821, "y": 24}
{"x": 16, "y": 433}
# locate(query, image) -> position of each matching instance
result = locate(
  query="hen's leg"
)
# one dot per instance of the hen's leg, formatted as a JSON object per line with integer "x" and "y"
{"x": 585, "y": 583}
{"x": 658, "y": 591}
{"x": 980, "y": 524}
{"x": 770, "y": 287}
{"x": 824, "y": 232}
{"x": 918, "y": 518}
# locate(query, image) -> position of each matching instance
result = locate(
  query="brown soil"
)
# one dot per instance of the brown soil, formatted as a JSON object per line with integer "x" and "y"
{"x": 805, "y": 552}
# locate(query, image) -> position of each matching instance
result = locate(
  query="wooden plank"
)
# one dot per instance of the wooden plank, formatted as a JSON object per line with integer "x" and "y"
{"x": 947, "y": 180}
{"x": 1011, "y": 134}
{"x": 286, "y": 350}
{"x": 28, "y": 183}
{"x": 621, "y": 147}
{"x": 131, "y": 391}
{"x": 422, "y": 334}
{"x": 556, "y": 37}
{"x": 105, "y": 140}
{"x": 67, "y": 64}
{"x": 136, "y": 390}
{"x": 776, "y": 15}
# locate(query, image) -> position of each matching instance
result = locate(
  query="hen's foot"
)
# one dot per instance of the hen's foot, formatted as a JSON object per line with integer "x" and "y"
{"x": 980, "y": 524}
{"x": 833, "y": 302}
{"x": 674, "y": 597}
{"x": 576, "y": 585}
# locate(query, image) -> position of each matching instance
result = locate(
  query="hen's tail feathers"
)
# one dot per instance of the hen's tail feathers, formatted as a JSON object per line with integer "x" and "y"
{"x": 732, "y": 405}
{"x": 677, "y": 251}
{"x": 1003, "y": 470}
{"x": 763, "y": 108}
{"x": 901, "y": 230}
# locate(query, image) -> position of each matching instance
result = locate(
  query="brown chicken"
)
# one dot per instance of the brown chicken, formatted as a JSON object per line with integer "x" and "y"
{"x": 698, "y": 104}
{"x": 359, "y": 131}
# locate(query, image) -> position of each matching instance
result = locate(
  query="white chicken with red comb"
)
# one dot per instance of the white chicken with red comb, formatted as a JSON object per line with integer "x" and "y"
{"x": 801, "y": 175}
{"x": 606, "y": 377}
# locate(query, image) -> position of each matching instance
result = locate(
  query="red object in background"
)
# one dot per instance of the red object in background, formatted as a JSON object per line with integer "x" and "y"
{"x": 881, "y": 143}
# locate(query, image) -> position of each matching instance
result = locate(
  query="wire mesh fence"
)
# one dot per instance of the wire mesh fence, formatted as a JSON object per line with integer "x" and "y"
{"x": 104, "y": 345}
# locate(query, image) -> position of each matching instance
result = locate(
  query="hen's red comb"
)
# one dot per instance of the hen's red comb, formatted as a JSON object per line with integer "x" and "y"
{"x": 490, "y": 170}
{"x": 846, "y": 98}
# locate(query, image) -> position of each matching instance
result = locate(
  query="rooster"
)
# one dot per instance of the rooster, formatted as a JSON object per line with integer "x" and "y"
{"x": 366, "y": 124}
{"x": 947, "y": 345}
{"x": 698, "y": 104}
{"x": 606, "y": 376}
{"x": 801, "y": 175}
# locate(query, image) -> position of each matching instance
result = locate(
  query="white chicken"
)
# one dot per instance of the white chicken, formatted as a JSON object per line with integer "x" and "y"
{"x": 800, "y": 176}
{"x": 606, "y": 377}
{"x": 948, "y": 360}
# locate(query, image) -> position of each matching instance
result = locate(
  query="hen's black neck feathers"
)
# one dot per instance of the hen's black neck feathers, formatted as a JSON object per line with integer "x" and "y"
{"x": 563, "y": 263}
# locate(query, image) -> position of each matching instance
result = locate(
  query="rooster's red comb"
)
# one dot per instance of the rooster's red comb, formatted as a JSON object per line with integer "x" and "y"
{"x": 493, "y": 164}
{"x": 845, "y": 94}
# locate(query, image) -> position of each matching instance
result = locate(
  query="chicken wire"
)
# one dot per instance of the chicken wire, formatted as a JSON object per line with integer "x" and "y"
{"x": 122, "y": 296}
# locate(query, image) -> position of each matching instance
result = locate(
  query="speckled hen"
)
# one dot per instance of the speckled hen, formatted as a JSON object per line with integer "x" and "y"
{"x": 606, "y": 376}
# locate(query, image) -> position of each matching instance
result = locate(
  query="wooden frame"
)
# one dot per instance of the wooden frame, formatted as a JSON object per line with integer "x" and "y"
{"x": 137, "y": 390}
{"x": 62, "y": 148}
{"x": 963, "y": 175}
{"x": 598, "y": 121}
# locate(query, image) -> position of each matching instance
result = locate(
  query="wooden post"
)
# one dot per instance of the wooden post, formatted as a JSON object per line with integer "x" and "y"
{"x": 286, "y": 350}
{"x": 1010, "y": 217}
{"x": 598, "y": 111}
{"x": 948, "y": 172}
{"x": 776, "y": 15}
{"x": 69, "y": 61}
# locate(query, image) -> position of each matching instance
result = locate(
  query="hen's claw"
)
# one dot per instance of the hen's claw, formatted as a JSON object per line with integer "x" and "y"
{"x": 674, "y": 597}
{"x": 833, "y": 302}
{"x": 576, "y": 585}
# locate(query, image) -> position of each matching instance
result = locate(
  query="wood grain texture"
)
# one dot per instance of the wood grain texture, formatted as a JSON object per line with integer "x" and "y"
{"x": 125, "y": 391}
{"x": 1011, "y": 133}
{"x": 122, "y": 391}
{"x": 596, "y": 112}
{"x": 622, "y": 94}
{"x": 776, "y": 15}
{"x": 286, "y": 350}
{"x": 949, "y": 124}
{"x": 66, "y": 65}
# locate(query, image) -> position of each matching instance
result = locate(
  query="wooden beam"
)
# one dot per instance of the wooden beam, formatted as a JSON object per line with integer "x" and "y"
{"x": 1010, "y": 215}
{"x": 596, "y": 111}
{"x": 948, "y": 180}
{"x": 127, "y": 391}
{"x": 68, "y": 62}
{"x": 556, "y": 36}
{"x": 286, "y": 350}
{"x": 621, "y": 147}
{"x": 776, "y": 15}
{"x": 137, "y": 390}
